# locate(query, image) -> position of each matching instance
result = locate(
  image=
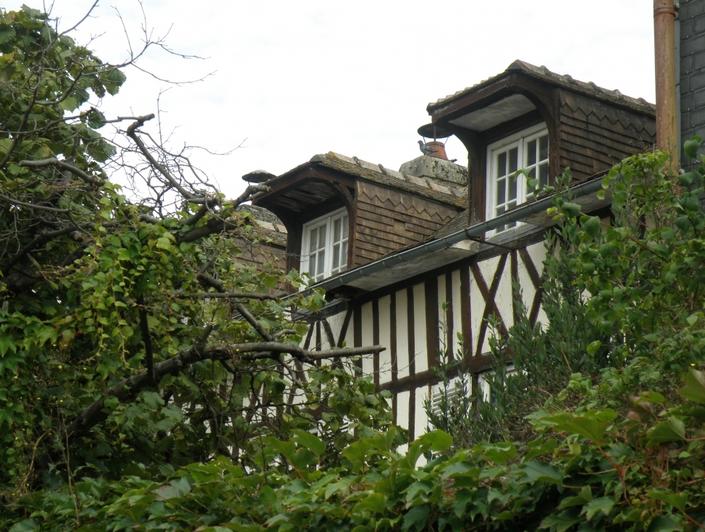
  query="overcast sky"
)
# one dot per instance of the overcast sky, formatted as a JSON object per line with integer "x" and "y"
{"x": 295, "y": 78}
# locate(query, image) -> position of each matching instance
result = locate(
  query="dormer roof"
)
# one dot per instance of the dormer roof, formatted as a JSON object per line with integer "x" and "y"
{"x": 297, "y": 189}
{"x": 542, "y": 74}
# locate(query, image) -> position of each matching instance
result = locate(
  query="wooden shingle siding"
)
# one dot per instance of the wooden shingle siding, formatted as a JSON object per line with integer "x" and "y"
{"x": 388, "y": 220}
{"x": 594, "y": 136}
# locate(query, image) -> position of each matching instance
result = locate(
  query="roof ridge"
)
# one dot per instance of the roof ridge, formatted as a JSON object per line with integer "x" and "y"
{"x": 566, "y": 80}
{"x": 447, "y": 189}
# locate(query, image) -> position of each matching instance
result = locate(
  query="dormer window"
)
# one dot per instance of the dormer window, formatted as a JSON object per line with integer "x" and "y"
{"x": 324, "y": 249}
{"x": 506, "y": 186}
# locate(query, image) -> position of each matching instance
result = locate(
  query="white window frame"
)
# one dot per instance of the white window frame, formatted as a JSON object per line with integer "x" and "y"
{"x": 519, "y": 140}
{"x": 326, "y": 221}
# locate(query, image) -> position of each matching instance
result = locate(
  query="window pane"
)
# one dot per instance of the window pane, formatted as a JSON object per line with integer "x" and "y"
{"x": 312, "y": 265}
{"x": 322, "y": 237}
{"x": 319, "y": 265}
{"x": 344, "y": 255}
{"x": 512, "y": 187}
{"x": 501, "y": 185}
{"x": 344, "y": 221}
{"x": 531, "y": 174}
{"x": 513, "y": 159}
{"x": 543, "y": 148}
{"x": 531, "y": 152}
{"x": 502, "y": 164}
{"x": 312, "y": 240}
{"x": 543, "y": 174}
{"x": 336, "y": 230}
{"x": 336, "y": 256}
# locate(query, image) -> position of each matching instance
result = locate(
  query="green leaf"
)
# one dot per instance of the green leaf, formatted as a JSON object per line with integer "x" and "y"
{"x": 417, "y": 490}
{"x": 601, "y": 505}
{"x": 341, "y": 485}
{"x": 591, "y": 425}
{"x": 572, "y": 209}
{"x": 112, "y": 79}
{"x": 499, "y": 453}
{"x": 666, "y": 523}
{"x": 415, "y": 519}
{"x": 560, "y": 522}
{"x": 592, "y": 226}
{"x": 375, "y": 503}
{"x": 538, "y": 472}
{"x": 175, "y": 488}
{"x": 691, "y": 146}
{"x": 582, "y": 498}
{"x": 164, "y": 242}
{"x": 677, "y": 500}
{"x": 276, "y": 520}
{"x": 7, "y": 34}
{"x": 436, "y": 441}
{"x": 95, "y": 118}
{"x": 694, "y": 386}
{"x": 309, "y": 441}
{"x": 669, "y": 430}
{"x": 593, "y": 347}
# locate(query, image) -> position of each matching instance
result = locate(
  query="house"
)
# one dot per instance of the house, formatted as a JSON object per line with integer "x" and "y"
{"x": 416, "y": 259}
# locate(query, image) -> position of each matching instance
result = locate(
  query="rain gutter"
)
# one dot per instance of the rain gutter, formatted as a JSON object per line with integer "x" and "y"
{"x": 473, "y": 232}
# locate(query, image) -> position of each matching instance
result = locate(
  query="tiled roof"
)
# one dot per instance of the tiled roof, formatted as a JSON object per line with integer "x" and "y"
{"x": 444, "y": 192}
{"x": 563, "y": 80}
{"x": 267, "y": 221}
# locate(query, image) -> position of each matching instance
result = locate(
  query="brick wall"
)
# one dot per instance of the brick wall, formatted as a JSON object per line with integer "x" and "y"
{"x": 692, "y": 71}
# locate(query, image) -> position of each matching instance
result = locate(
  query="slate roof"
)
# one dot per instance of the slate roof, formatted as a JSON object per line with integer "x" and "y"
{"x": 563, "y": 80}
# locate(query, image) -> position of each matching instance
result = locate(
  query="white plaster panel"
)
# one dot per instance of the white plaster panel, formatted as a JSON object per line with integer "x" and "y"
{"x": 350, "y": 333}
{"x": 385, "y": 357}
{"x": 420, "y": 354}
{"x": 527, "y": 286}
{"x": 457, "y": 313}
{"x": 504, "y": 297}
{"x": 336, "y": 323}
{"x": 420, "y": 418}
{"x": 366, "y": 315}
{"x": 477, "y": 310}
{"x": 403, "y": 410}
{"x": 401, "y": 328}
{"x": 537, "y": 252}
{"x": 443, "y": 326}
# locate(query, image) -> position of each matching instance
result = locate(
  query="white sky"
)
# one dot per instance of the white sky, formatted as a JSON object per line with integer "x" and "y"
{"x": 296, "y": 78}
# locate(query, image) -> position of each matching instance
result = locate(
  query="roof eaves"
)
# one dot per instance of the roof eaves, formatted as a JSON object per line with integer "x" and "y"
{"x": 469, "y": 232}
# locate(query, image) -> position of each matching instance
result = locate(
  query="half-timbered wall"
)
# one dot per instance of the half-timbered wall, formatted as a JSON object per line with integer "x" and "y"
{"x": 387, "y": 220}
{"x": 447, "y": 314}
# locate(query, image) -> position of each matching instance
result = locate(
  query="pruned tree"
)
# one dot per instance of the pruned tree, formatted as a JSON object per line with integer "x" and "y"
{"x": 129, "y": 334}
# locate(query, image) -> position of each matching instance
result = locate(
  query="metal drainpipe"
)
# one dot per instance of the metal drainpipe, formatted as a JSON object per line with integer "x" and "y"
{"x": 665, "y": 12}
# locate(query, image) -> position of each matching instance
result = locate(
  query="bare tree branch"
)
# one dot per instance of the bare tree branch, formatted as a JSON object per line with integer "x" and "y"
{"x": 53, "y": 161}
{"x": 132, "y": 133}
{"x": 225, "y": 295}
{"x": 127, "y": 389}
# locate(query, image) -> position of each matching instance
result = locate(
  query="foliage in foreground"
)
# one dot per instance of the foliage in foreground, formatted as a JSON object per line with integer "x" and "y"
{"x": 99, "y": 292}
{"x": 131, "y": 336}
{"x": 624, "y": 450}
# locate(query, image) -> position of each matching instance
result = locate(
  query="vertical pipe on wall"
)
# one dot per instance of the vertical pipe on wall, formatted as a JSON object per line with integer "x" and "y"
{"x": 665, "y": 63}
